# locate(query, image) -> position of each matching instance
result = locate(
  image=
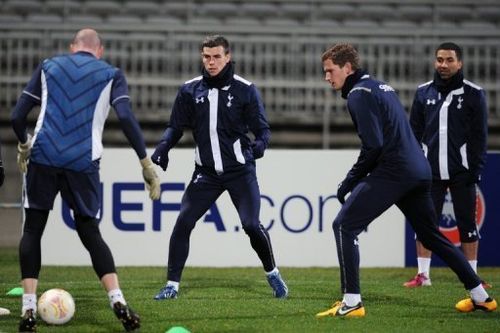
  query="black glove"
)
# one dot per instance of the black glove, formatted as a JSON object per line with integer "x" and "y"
{"x": 2, "y": 173}
{"x": 344, "y": 187}
{"x": 258, "y": 148}
{"x": 160, "y": 155}
{"x": 473, "y": 179}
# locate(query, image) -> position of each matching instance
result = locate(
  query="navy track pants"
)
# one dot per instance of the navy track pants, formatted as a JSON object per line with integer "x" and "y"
{"x": 368, "y": 200}
{"x": 201, "y": 193}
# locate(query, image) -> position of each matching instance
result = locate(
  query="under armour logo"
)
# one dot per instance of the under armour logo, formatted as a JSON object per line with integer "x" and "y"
{"x": 158, "y": 159}
{"x": 229, "y": 99}
{"x": 198, "y": 177}
{"x": 200, "y": 99}
{"x": 474, "y": 233}
{"x": 356, "y": 242}
{"x": 386, "y": 87}
{"x": 460, "y": 100}
{"x": 431, "y": 101}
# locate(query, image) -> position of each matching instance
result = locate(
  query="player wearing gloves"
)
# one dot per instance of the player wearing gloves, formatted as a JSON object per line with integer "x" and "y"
{"x": 75, "y": 92}
{"x": 391, "y": 170}
{"x": 220, "y": 108}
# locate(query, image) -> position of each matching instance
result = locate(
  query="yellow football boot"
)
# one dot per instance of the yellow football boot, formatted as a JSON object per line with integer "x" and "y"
{"x": 468, "y": 305}
{"x": 340, "y": 309}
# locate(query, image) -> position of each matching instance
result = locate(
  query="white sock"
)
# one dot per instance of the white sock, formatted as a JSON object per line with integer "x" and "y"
{"x": 29, "y": 303}
{"x": 473, "y": 264}
{"x": 352, "y": 299}
{"x": 424, "y": 266}
{"x": 174, "y": 284}
{"x": 478, "y": 294}
{"x": 273, "y": 272}
{"x": 116, "y": 295}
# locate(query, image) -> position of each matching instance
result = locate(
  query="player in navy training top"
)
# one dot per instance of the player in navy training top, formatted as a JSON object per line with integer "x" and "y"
{"x": 220, "y": 108}
{"x": 391, "y": 169}
{"x": 449, "y": 118}
{"x": 74, "y": 92}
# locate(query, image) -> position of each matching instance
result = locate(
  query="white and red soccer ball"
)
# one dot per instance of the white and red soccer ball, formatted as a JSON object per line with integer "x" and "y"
{"x": 56, "y": 306}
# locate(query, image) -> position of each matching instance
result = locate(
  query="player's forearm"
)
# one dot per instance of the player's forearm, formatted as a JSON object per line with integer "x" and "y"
{"x": 477, "y": 142}
{"x": 366, "y": 162}
{"x": 131, "y": 128}
{"x": 263, "y": 135}
{"x": 171, "y": 136}
{"x": 477, "y": 156}
{"x": 134, "y": 136}
{"x": 19, "y": 116}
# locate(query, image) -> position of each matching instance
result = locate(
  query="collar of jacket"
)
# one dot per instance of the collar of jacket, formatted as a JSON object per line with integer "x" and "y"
{"x": 350, "y": 81}
{"x": 445, "y": 86}
{"x": 85, "y": 53}
{"x": 220, "y": 80}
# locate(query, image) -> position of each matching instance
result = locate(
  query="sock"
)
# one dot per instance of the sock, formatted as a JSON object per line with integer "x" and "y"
{"x": 273, "y": 272}
{"x": 174, "y": 284}
{"x": 424, "y": 266}
{"x": 478, "y": 294}
{"x": 116, "y": 295}
{"x": 352, "y": 299}
{"x": 473, "y": 264}
{"x": 29, "y": 303}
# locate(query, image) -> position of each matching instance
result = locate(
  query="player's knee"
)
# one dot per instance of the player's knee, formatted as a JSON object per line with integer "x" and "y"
{"x": 35, "y": 222}
{"x": 336, "y": 225}
{"x": 469, "y": 236}
{"x": 33, "y": 229}
{"x": 183, "y": 227}
{"x": 251, "y": 228}
{"x": 88, "y": 231}
{"x": 86, "y": 225}
{"x": 427, "y": 243}
{"x": 342, "y": 227}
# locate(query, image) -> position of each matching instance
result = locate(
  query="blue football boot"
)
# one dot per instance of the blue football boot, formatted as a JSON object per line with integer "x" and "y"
{"x": 280, "y": 290}
{"x": 167, "y": 292}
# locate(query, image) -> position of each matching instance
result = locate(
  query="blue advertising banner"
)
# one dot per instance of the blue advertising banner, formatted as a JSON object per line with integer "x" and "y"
{"x": 487, "y": 219}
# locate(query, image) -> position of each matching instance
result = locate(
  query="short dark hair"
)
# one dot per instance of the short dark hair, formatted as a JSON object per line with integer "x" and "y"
{"x": 342, "y": 53}
{"x": 450, "y": 46}
{"x": 214, "y": 41}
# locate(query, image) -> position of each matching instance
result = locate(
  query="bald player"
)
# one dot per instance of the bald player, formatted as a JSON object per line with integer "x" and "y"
{"x": 75, "y": 92}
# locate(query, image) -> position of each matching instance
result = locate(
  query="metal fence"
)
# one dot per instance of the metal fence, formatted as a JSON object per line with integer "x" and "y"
{"x": 287, "y": 69}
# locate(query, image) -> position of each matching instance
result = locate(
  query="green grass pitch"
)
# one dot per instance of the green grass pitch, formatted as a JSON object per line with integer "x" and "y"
{"x": 239, "y": 300}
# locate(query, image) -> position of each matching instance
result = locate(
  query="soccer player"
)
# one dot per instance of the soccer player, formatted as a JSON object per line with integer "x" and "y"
{"x": 391, "y": 169}
{"x": 220, "y": 108}
{"x": 75, "y": 92}
{"x": 449, "y": 118}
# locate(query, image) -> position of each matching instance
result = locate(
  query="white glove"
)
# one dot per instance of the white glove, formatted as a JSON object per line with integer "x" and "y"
{"x": 23, "y": 154}
{"x": 150, "y": 178}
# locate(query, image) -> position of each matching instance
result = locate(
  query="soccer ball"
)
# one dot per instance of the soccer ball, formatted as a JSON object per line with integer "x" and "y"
{"x": 56, "y": 306}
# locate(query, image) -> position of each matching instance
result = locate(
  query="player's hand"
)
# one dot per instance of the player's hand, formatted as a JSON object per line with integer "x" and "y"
{"x": 344, "y": 188}
{"x": 473, "y": 179}
{"x": 160, "y": 155}
{"x": 258, "y": 148}
{"x": 150, "y": 178}
{"x": 2, "y": 173}
{"x": 23, "y": 154}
